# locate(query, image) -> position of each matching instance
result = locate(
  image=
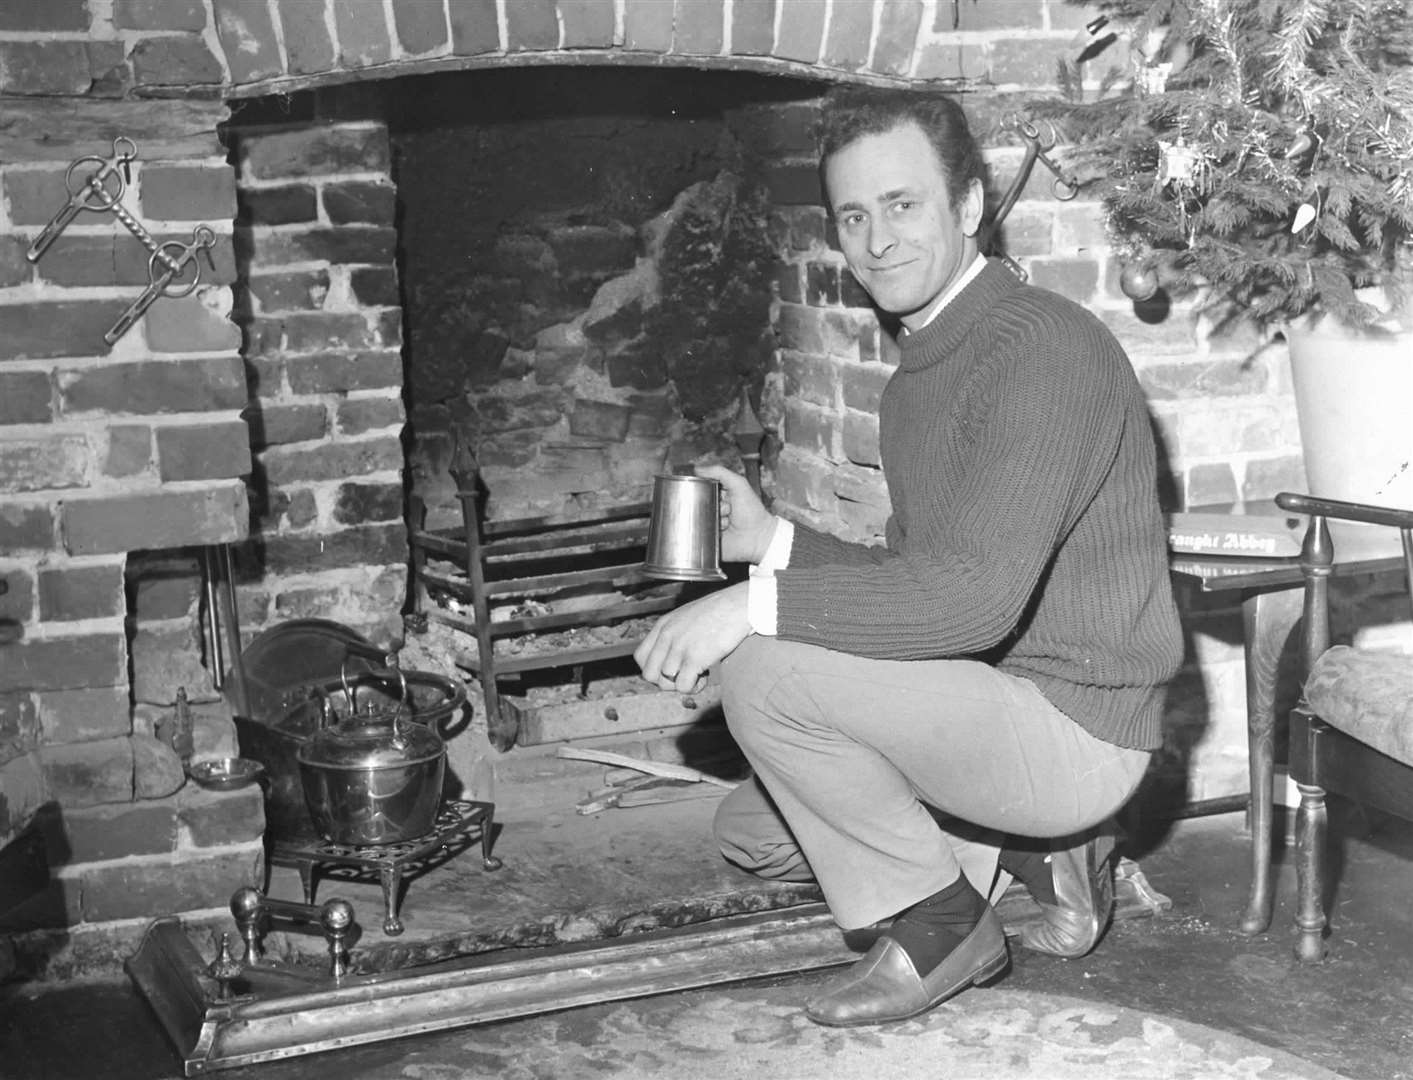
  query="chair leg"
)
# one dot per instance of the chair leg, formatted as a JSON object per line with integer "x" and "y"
{"x": 1310, "y": 874}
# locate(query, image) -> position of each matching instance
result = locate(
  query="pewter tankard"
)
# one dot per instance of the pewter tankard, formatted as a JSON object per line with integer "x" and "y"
{"x": 684, "y": 533}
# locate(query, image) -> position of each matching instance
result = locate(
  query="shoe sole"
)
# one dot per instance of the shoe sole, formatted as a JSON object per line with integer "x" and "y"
{"x": 988, "y": 973}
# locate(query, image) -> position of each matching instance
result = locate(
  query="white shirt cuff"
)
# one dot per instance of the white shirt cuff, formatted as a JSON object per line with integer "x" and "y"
{"x": 777, "y": 552}
{"x": 760, "y": 588}
{"x": 760, "y": 602}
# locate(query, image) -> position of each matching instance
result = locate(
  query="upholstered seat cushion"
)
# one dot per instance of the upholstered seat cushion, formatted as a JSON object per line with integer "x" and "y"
{"x": 1367, "y": 695}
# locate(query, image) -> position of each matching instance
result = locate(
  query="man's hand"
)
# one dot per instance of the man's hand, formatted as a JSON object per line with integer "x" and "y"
{"x": 684, "y": 644}
{"x": 746, "y": 525}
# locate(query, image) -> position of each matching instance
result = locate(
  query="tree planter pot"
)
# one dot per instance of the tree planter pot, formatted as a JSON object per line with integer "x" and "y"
{"x": 1354, "y": 401}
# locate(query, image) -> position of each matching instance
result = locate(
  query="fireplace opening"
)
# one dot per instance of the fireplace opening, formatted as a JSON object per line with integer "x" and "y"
{"x": 580, "y": 262}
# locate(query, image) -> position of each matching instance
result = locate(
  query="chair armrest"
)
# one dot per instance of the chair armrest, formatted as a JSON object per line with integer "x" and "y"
{"x": 1345, "y": 511}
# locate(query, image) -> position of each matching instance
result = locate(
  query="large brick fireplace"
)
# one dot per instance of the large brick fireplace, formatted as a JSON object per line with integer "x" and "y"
{"x": 491, "y": 221}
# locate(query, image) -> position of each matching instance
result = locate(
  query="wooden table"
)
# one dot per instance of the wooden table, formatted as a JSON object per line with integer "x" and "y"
{"x": 1271, "y": 595}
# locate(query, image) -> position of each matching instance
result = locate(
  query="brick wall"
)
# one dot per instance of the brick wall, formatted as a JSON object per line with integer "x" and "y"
{"x": 322, "y": 326}
{"x": 104, "y": 451}
{"x": 144, "y": 447}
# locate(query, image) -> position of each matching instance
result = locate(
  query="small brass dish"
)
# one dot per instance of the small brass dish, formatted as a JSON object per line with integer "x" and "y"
{"x": 226, "y": 774}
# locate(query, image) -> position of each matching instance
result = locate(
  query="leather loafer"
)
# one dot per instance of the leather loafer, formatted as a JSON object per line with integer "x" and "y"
{"x": 1084, "y": 900}
{"x": 884, "y": 985}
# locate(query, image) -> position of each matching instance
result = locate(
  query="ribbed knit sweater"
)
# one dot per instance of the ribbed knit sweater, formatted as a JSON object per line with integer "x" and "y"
{"x": 1025, "y": 527}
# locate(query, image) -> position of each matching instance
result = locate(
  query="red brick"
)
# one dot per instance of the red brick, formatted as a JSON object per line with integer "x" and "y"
{"x": 314, "y": 150}
{"x": 169, "y": 518}
{"x": 1011, "y": 15}
{"x": 187, "y": 192}
{"x": 36, "y": 16}
{"x": 65, "y": 663}
{"x": 41, "y": 330}
{"x": 88, "y": 774}
{"x": 307, "y": 331}
{"x": 187, "y": 15}
{"x": 375, "y": 286}
{"x": 587, "y": 23}
{"x": 850, "y": 32}
{"x": 297, "y": 290}
{"x": 361, "y": 415}
{"x": 863, "y": 385}
{"x": 17, "y": 602}
{"x": 108, "y": 65}
{"x": 1076, "y": 278}
{"x": 811, "y": 379}
{"x": 113, "y": 831}
{"x": 49, "y": 461}
{"x": 137, "y": 890}
{"x": 753, "y": 27}
{"x": 952, "y": 60}
{"x": 358, "y": 244}
{"x": 647, "y": 25}
{"x": 177, "y": 60}
{"x": 203, "y": 451}
{"x": 15, "y": 269}
{"x": 83, "y": 715}
{"x": 330, "y": 461}
{"x": 25, "y": 526}
{"x": 364, "y": 545}
{"x": 121, "y": 259}
{"x": 859, "y": 438}
{"x": 167, "y": 589}
{"x": 801, "y": 30}
{"x": 324, "y": 373}
{"x": 81, "y": 592}
{"x": 152, "y": 387}
{"x": 219, "y": 818}
{"x": 35, "y": 195}
{"x": 358, "y": 504}
{"x": 698, "y": 28}
{"x": 248, "y": 39}
{"x": 26, "y": 397}
{"x": 362, "y": 31}
{"x": 272, "y": 425}
{"x": 474, "y": 27}
{"x": 283, "y": 204}
{"x": 361, "y": 202}
{"x": 44, "y": 67}
{"x": 1026, "y": 61}
{"x": 188, "y": 324}
{"x": 531, "y": 25}
{"x": 308, "y": 45}
{"x": 421, "y": 27}
{"x": 899, "y": 22}
{"x": 128, "y": 451}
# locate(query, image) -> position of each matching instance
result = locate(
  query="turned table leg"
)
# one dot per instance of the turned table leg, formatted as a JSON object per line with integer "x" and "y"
{"x": 1268, "y": 619}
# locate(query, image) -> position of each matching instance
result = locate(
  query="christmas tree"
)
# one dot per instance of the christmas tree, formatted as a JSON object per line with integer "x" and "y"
{"x": 1258, "y": 151}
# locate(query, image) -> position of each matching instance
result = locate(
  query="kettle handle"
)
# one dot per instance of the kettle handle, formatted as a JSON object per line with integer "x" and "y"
{"x": 404, "y": 701}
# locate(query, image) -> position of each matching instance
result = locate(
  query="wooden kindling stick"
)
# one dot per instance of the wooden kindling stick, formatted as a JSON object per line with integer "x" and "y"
{"x": 655, "y": 768}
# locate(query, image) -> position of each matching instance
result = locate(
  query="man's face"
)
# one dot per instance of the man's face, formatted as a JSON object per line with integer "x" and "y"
{"x": 902, "y": 237}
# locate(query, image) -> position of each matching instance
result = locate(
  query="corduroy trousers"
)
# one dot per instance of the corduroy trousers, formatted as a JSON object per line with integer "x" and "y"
{"x": 883, "y": 780}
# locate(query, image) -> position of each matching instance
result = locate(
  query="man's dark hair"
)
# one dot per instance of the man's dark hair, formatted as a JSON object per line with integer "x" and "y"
{"x": 852, "y": 112}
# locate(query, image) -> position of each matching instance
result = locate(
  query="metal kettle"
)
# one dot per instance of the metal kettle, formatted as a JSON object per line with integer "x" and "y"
{"x": 373, "y": 777}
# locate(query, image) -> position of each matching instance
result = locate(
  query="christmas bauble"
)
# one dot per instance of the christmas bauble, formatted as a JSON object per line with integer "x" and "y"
{"x": 1138, "y": 282}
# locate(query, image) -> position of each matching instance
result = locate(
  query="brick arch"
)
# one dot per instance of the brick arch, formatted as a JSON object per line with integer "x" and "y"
{"x": 283, "y": 47}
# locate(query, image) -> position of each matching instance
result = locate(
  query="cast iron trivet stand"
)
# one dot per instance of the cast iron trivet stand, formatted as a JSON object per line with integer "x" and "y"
{"x": 459, "y": 820}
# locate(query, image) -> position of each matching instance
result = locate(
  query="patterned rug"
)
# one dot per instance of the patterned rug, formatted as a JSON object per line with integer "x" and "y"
{"x": 755, "y": 1033}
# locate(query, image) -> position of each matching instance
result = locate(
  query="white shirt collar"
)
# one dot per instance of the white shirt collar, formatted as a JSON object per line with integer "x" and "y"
{"x": 956, "y": 287}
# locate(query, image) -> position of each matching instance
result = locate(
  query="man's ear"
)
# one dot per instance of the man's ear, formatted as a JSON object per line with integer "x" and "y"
{"x": 970, "y": 211}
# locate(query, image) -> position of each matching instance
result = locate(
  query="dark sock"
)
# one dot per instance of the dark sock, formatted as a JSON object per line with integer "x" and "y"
{"x": 1031, "y": 867}
{"x": 930, "y": 929}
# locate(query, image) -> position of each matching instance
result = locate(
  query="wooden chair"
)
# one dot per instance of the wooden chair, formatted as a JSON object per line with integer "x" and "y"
{"x": 1352, "y": 732}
